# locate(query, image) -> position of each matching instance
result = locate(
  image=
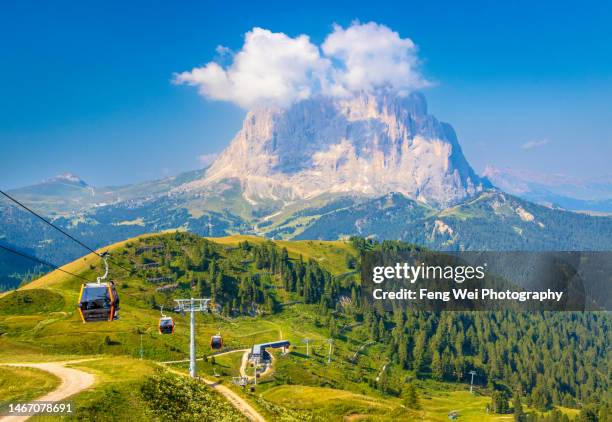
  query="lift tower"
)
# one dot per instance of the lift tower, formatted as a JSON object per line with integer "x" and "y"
{"x": 472, "y": 373}
{"x": 307, "y": 341}
{"x": 331, "y": 345}
{"x": 192, "y": 306}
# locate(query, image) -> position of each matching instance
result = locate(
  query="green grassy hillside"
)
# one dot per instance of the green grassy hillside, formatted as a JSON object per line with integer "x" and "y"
{"x": 24, "y": 384}
{"x": 265, "y": 291}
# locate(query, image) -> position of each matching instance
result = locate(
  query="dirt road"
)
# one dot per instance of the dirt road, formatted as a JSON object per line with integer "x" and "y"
{"x": 172, "y": 362}
{"x": 245, "y": 361}
{"x": 238, "y": 402}
{"x": 73, "y": 381}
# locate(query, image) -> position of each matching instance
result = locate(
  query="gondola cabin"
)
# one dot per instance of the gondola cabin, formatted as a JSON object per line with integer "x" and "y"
{"x": 166, "y": 325}
{"x": 216, "y": 342}
{"x": 98, "y": 302}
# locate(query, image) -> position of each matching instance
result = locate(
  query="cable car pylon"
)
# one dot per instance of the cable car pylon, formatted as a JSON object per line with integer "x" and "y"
{"x": 192, "y": 306}
{"x": 331, "y": 345}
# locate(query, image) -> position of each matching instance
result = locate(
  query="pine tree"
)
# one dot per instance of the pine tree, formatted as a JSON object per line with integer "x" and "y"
{"x": 437, "y": 367}
{"x": 333, "y": 327}
{"x": 411, "y": 397}
{"x": 419, "y": 352}
{"x": 354, "y": 298}
{"x": 201, "y": 287}
{"x": 500, "y": 402}
{"x": 381, "y": 329}
{"x": 519, "y": 415}
{"x": 383, "y": 381}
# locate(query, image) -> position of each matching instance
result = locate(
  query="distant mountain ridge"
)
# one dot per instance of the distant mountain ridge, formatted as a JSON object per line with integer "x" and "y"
{"x": 68, "y": 194}
{"x": 555, "y": 190}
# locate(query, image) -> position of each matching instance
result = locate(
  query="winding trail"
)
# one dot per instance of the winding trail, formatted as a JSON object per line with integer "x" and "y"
{"x": 73, "y": 381}
{"x": 360, "y": 349}
{"x": 238, "y": 402}
{"x": 245, "y": 362}
{"x": 171, "y": 362}
{"x": 245, "y": 358}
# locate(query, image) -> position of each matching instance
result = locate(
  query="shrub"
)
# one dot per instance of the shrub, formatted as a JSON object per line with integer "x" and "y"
{"x": 170, "y": 397}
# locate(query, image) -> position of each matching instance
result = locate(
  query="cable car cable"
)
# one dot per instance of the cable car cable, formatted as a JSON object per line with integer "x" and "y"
{"x": 59, "y": 229}
{"x": 32, "y": 258}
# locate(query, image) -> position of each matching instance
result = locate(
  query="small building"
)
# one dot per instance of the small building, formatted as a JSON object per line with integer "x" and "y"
{"x": 258, "y": 351}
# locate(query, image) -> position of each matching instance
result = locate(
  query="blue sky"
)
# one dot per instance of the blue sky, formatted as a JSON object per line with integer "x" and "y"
{"x": 86, "y": 87}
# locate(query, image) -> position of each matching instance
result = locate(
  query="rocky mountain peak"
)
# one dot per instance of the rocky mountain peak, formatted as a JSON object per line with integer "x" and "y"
{"x": 67, "y": 177}
{"x": 368, "y": 144}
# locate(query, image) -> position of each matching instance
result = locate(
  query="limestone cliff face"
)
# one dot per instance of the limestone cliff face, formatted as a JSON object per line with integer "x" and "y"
{"x": 366, "y": 145}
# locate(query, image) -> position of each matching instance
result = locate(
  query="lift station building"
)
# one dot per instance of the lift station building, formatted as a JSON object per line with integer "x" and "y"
{"x": 258, "y": 350}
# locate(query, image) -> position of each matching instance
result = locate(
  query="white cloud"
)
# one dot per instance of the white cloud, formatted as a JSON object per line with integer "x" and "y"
{"x": 372, "y": 56}
{"x": 274, "y": 68}
{"x": 207, "y": 159}
{"x": 270, "y": 68}
{"x": 223, "y": 50}
{"x": 535, "y": 144}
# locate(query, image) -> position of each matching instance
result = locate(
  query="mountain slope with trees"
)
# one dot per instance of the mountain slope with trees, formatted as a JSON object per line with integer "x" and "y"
{"x": 264, "y": 289}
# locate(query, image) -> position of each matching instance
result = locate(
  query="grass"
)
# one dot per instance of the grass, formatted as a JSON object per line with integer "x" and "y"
{"x": 116, "y": 368}
{"x": 330, "y": 254}
{"x": 437, "y": 404}
{"x": 24, "y": 384}
{"x": 328, "y": 400}
{"x": 572, "y": 413}
{"x": 28, "y": 302}
{"x": 225, "y": 366}
{"x": 335, "y": 404}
